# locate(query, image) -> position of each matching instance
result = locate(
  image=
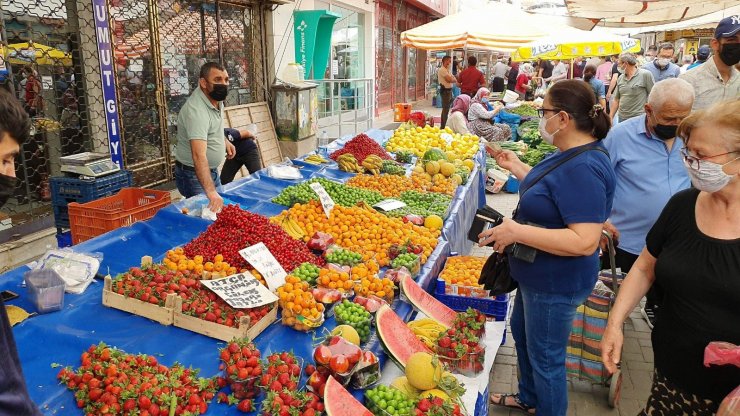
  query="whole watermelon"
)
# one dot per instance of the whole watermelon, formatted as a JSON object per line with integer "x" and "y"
{"x": 434, "y": 154}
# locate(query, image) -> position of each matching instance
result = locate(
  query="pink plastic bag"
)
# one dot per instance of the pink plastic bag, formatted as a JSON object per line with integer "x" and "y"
{"x": 721, "y": 353}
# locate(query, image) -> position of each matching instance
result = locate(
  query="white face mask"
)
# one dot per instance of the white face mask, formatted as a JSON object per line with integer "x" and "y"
{"x": 709, "y": 177}
{"x": 663, "y": 62}
{"x": 547, "y": 137}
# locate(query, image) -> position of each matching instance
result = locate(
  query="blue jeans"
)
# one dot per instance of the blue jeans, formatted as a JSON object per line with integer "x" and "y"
{"x": 541, "y": 324}
{"x": 189, "y": 185}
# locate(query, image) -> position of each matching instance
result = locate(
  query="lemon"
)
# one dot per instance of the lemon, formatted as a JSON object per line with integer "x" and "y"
{"x": 433, "y": 222}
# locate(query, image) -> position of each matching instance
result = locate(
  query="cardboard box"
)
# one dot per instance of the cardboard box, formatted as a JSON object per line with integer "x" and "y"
{"x": 299, "y": 148}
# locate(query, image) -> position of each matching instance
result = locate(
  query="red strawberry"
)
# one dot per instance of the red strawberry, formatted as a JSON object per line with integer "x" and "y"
{"x": 244, "y": 406}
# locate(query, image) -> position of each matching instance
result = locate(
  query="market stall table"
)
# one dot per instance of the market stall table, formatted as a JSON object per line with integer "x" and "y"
{"x": 59, "y": 338}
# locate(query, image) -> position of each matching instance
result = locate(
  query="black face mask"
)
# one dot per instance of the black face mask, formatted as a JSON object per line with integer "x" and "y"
{"x": 730, "y": 53}
{"x": 663, "y": 131}
{"x": 7, "y": 188}
{"x": 219, "y": 92}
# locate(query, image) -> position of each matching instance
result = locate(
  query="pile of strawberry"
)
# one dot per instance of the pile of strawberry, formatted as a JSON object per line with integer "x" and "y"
{"x": 282, "y": 372}
{"x": 240, "y": 362}
{"x": 154, "y": 282}
{"x": 460, "y": 346}
{"x": 361, "y": 146}
{"x": 435, "y": 406}
{"x": 111, "y": 382}
{"x": 291, "y": 403}
{"x": 236, "y": 229}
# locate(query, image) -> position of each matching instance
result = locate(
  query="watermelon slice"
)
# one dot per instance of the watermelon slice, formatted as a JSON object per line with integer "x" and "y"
{"x": 426, "y": 303}
{"x": 397, "y": 338}
{"x": 339, "y": 402}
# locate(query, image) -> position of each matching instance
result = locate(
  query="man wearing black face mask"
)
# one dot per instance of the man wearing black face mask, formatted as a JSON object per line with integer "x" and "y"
{"x": 718, "y": 80}
{"x": 200, "y": 147}
{"x": 14, "y": 129}
{"x": 646, "y": 157}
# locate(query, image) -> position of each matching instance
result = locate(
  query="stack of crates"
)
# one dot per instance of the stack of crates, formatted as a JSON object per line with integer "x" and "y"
{"x": 67, "y": 189}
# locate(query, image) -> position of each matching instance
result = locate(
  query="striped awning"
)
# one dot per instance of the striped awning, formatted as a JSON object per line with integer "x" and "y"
{"x": 630, "y": 13}
{"x": 497, "y": 26}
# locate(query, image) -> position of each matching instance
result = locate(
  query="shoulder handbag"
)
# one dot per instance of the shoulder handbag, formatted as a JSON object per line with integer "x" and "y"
{"x": 496, "y": 273}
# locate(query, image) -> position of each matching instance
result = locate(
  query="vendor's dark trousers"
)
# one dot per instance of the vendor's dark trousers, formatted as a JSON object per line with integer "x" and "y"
{"x": 497, "y": 85}
{"x": 446, "y": 102}
{"x": 250, "y": 160}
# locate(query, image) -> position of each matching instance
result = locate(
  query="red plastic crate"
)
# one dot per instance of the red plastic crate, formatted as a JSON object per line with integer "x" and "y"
{"x": 94, "y": 218}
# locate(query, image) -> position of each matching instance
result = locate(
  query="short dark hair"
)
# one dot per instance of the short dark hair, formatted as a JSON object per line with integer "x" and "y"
{"x": 577, "y": 98}
{"x": 208, "y": 66}
{"x": 446, "y": 58}
{"x": 666, "y": 46}
{"x": 13, "y": 119}
{"x": 653, "y": 48}
{"x": 472, "y": 61}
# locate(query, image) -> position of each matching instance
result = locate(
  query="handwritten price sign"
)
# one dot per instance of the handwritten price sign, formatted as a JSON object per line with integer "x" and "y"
{"x": 241, "y": 291}
{"x": 324, "y": 198}
{"x": 261, "y": 259}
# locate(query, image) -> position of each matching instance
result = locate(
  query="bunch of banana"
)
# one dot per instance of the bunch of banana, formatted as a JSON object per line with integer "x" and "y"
{"x": 315, "y": 159}
{"x": 373, "y": 164}
{"x": 427, "y": 330}
{"x": 292, "y": 227}
{"x": 348, "y": 163}
{"x": 364, "y": 205}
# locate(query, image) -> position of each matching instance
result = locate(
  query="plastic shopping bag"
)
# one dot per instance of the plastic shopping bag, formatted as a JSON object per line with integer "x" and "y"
{"x": 721, "y": 353}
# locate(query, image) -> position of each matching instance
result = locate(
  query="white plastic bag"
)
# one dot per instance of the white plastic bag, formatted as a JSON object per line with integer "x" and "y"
{"x": 76, "y": 269}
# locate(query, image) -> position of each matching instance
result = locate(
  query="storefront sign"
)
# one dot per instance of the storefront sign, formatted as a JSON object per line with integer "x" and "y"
{"x": 107, "y": 72}
{"x": 260, "y": 258}
{"x": 691, "y": 48}
{"x": 241, "y": 291}
{"x": 543, "y": 48}
{"x": 312, "y": 30}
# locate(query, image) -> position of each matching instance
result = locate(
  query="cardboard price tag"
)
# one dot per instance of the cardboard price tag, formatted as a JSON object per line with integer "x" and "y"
{"x": 324, "y": 198}
{"x": 261, "y": 259}
{"x": 389, "y": 205}
{"x": 241, "y": 291}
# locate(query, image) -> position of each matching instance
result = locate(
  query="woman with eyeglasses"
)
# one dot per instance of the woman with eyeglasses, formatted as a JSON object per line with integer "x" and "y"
{"x": 693, "y": 251}
{"x": 563, "y": 203}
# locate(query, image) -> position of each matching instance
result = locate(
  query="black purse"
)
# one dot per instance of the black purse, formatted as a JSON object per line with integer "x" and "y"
{"x": 496, "y": 273}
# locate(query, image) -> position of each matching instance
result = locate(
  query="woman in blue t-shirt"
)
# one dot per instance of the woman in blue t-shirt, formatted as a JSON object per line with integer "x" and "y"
{"x": 564, "y": 202}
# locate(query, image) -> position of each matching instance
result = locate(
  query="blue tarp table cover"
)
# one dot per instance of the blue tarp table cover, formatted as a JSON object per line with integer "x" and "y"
{"x": 61, "y": 337}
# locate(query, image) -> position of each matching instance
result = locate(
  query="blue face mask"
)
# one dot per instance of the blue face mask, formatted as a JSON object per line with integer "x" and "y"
{"x": 484, "y": 101}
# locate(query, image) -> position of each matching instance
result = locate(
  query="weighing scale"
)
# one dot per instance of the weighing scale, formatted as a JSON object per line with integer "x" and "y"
{"x": 89, "y": 164}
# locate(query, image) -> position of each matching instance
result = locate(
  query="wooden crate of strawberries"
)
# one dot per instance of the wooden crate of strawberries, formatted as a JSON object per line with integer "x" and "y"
{"x": 153, "y": 311}
{"x": 243, "y": 329}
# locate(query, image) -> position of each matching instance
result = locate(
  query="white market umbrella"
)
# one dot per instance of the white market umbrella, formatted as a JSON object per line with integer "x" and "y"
{"x": 630, "y": 13}
{"x": 497, "y": 26}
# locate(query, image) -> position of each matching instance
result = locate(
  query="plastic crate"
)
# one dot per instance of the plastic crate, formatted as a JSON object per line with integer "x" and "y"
{"x": 94, "y": 218}
{"x": 64, "y": 239}
{"x": 497, "y": 307}
{"x": 65, "y": 190}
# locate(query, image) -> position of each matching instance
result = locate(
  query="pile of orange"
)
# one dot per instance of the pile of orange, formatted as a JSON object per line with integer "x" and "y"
{"x": 300, "y": 309}
{"x": 177, "y": 260}
{"x": 463, "y": 270}
{"x": 439, "y": 183}
{"x": 387, "y": 185}
{"x": 362, "y": 230}
{"x": 333, "y": 279}
{"x": 367, "y": 282}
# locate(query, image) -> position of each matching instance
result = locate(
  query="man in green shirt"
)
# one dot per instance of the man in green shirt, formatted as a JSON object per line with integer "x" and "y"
{"x": 200, "y": 145}
{"x": 633, "y": 87}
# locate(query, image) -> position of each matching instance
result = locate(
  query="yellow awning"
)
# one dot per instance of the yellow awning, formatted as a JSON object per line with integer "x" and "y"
{"x": 36, "y": 53}
{"x": 497, "y": 26}
{"x": 573, "y": 43}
